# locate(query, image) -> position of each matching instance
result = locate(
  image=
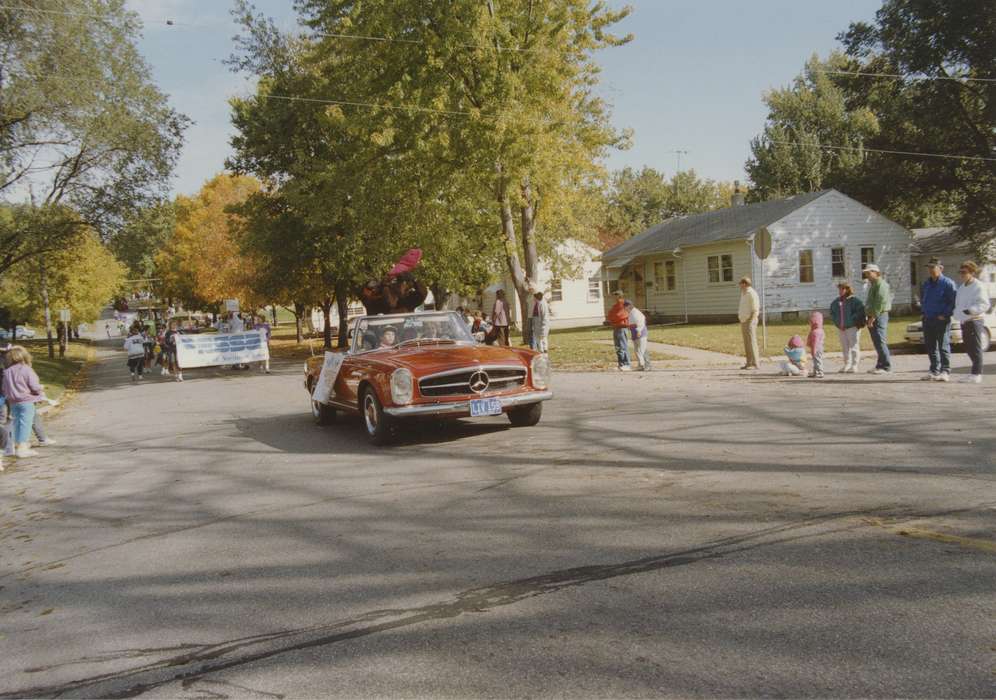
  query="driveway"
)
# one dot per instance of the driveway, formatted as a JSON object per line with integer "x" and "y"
{"x": 681, "y": 533}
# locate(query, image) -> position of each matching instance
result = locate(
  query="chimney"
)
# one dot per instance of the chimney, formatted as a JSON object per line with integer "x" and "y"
{"x": 737, "y": 199}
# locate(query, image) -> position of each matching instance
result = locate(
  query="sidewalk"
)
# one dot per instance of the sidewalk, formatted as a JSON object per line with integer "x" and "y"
{"x": 689, "y": 356}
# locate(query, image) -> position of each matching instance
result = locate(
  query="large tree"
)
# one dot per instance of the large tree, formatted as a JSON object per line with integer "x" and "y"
{"x": 814, "y": 112}
{"x": 479, "y": 115}
{"x": 202, "y": 263}
{"x": 82, "y": 276}
{"x": 904, "y": 121}
{"x": 81, "y": 122}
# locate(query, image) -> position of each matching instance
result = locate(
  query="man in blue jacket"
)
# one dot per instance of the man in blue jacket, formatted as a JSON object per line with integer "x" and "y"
{"x": 937, "y": 302}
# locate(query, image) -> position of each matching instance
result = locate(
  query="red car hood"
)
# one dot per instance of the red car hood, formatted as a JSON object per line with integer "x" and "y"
{"x": 431, "y": 359}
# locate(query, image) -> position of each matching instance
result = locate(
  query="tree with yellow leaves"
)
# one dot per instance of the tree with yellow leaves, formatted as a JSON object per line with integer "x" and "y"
{"x": 202, "y": 263}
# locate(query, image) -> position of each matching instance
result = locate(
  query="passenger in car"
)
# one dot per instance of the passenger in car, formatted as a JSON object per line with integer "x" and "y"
{"x": 389, "y": 337}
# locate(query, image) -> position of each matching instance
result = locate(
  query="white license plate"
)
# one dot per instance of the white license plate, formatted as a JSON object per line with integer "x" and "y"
{"x": 485, "y": 407}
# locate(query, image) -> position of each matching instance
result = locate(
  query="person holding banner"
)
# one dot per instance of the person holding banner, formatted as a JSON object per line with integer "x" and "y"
{"x": 264, "y": 327}
{"x": 169, "y": 339}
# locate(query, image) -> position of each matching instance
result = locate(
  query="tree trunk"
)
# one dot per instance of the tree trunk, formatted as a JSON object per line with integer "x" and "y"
{"x": 342, "y": 305}
{"x": 327, "y": 317}
{"x": 519, "y": 280}
{"x": 48, "y": 311}
{"x": 298, "y": 317}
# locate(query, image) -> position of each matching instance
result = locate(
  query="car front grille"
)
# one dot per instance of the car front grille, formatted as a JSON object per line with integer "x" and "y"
{"x": 473, "y": 382}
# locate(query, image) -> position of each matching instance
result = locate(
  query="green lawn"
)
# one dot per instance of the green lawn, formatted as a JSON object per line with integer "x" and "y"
{"x": 726, "y": 337}
{"x": 577, "y": 348}
{"x": 58, "y": 374}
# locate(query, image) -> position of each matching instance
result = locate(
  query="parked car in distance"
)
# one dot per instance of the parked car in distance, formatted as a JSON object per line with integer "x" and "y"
{"x": 22, "y": 332}
{"x": 428, "y": 364}
{"x": 914, "y": 332}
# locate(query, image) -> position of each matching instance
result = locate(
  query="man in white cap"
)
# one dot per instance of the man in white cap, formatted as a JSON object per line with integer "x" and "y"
{"x": 878, "y": 304}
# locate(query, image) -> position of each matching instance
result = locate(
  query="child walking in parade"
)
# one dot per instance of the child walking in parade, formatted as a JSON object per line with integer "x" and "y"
{"x": 134, "y": 345}
{"x": 814, "y": 341}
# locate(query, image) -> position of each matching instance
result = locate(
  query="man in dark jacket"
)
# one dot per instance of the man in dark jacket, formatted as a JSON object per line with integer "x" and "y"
{"x": 937, "y": 302}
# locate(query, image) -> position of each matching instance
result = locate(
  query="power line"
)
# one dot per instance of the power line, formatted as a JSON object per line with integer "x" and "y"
{"x": 66, "y": 13}
{"x": 882, "y": 150}
{"x": 899, "y": 76}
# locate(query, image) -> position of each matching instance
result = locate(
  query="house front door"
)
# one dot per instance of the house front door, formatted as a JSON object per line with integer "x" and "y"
{"x": 639, "y": 287}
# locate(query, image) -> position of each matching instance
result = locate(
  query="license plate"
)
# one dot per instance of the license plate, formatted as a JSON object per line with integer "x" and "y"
{"x": 485, "y": 407}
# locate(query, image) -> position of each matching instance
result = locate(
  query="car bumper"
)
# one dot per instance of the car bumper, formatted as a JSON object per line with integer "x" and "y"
{"x": 462, "y": 408}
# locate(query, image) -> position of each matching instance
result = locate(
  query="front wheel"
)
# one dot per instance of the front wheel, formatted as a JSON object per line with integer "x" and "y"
{"x": 323, "y": 414}
{"x": 526, "y": 415}
{"x": 380, "y": 428}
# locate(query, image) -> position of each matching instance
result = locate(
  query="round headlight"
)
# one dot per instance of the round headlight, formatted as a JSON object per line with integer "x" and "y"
{"x": 541, "y": 372}
{"x": 402, "y": 385}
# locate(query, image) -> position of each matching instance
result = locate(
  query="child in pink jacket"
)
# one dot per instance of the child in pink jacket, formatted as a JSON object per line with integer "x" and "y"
{"x": 815, "y": 344}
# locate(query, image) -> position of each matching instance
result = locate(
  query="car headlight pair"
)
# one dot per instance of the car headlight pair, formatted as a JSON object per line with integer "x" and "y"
{"x": 541, "y": 371}
{"x": 402, "y": 386}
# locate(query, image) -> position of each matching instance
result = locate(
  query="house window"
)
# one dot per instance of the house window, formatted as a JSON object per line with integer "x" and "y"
{"x": 913, "y": 273}
{"x": 720, "y": 268}
{"x": 611, "y": 286}
{"x": 593, "y": 289}
{"x": 670, "y": 277}
{"x": 806, "y": 266}
{"x": 867, "y": 256}
{"x": 838, "y": 269}
{"x": 556, "y": 290}
{"x": 664, "y": 276}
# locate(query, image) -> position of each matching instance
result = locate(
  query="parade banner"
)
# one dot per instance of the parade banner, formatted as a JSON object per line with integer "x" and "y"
{"x": 326, "y": 380}
{"x": 212, "y": 349}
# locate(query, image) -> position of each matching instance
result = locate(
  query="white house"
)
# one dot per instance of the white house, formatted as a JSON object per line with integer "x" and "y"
{"x": 952, "y": 249}
{"x": 688, "y": 268}
{"x": 575, "y": 299}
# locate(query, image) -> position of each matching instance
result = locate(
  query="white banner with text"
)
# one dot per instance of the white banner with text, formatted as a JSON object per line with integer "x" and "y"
{"x": 212, "y": 349}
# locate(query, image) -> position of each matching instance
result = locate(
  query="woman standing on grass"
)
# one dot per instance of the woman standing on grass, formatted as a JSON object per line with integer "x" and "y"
{"x": 21, "y": 390}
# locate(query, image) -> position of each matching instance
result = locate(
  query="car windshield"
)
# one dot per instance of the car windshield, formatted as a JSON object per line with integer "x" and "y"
{"x": 381, "y": 332}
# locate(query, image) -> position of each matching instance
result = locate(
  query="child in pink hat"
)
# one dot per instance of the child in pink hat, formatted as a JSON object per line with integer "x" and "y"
{"x": 794, "y": 364}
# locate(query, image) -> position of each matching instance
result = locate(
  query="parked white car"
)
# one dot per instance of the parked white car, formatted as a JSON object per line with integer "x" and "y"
{"x": 22, "y": 332}
{"x": 914, "y": 331}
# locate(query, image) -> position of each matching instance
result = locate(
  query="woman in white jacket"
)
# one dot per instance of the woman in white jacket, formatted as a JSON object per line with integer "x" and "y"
{"x": 971, "y": 304}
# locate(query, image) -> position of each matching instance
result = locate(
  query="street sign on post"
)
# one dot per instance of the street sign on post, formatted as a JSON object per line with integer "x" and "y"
{"x": 762, "y": 249}
{"x": 232, "y": 305}
{"x": 64, "y": 315}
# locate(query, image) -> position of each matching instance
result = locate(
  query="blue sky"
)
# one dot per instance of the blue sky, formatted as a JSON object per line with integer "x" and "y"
{"x": 692, "y": 79}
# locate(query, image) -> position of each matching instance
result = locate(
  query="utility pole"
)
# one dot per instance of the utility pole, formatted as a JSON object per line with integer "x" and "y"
{"x": 679, "y": 153}
{"x": 48, "y": 311}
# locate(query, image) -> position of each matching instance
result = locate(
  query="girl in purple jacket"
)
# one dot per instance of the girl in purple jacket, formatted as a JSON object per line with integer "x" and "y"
{"x": 21, "y": 390}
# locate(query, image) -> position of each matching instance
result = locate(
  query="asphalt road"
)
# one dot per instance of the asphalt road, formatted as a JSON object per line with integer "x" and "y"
{"x": 684, "y": 533}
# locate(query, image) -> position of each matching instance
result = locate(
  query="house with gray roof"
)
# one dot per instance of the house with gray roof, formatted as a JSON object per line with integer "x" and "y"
{"x": 688, "y": 268}
{"x": 952, "y": 249}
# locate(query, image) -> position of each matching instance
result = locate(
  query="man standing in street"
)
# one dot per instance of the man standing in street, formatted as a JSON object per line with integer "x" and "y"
{"x": 540, "y": 320}
{"x": 618, "y": 318}
{"x": 748, "y": 313}
{"x": 499, "y": 318}
{"x": 878, "y": 304}
{"x": 937, "y": 302}
{"x": 638, "y": 327}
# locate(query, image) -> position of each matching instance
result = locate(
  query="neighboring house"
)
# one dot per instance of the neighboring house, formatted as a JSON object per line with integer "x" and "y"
{"x": 688, "y": 268}
{"x": 575, "y": 300}
{"x": 944, "y": 243}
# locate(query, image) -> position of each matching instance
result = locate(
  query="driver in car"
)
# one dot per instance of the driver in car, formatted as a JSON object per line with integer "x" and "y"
{"x": 388, "y": 337}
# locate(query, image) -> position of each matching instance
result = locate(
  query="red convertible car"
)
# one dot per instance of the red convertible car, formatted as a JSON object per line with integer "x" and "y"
{"x": 427, "y": 365}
